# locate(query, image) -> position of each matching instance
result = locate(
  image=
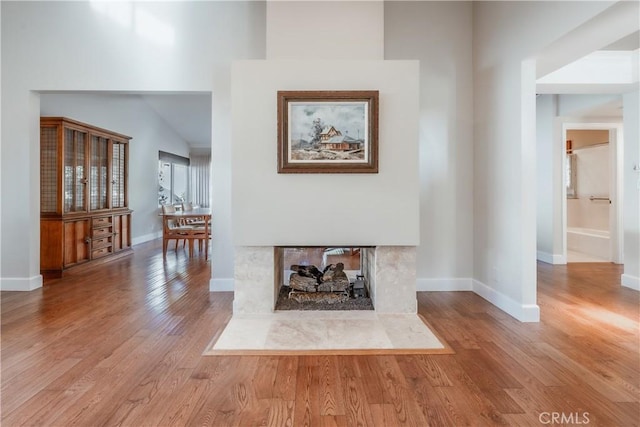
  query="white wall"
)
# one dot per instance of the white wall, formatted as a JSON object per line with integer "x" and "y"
{"x": 1, "y": 275}
{"x": 324, "y": 209}
{"x": 330, "y": 45}
{"x": 438, "y": 34}
{"x": 631, "y": 179}
{"x": 106, "y": 46}
{"x": 583, "y": 105}
{"x": 132, "y": 116}
{"x": 506, "y": 38}
{"x": 548, "y": 176}
{"x": 325, "y": 29}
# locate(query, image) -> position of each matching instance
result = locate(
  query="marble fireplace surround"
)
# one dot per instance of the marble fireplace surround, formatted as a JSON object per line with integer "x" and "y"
{"x": 392, "y": 327}
{"x": 390, "y": 271}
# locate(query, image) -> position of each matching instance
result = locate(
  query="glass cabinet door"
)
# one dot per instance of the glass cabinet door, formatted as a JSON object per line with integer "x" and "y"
{"x": 98, "y": 182}
{"x": 49, "y": 169}
{"x": 75, "y": 179}
{"x": 119, "y": 175}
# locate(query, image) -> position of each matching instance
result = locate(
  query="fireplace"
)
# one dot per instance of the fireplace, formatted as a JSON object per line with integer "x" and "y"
{"x": 389, "y": 271}
{"x": 256, "y": 327}
{"x": 378, "y": 211}
{"x": 323, "y": 278}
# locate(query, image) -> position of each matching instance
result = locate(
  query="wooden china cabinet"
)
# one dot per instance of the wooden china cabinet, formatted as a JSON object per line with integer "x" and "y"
{"x": 84, "y": 210}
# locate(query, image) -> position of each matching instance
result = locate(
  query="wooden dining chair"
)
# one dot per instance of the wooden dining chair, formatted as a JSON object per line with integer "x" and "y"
{"x": 198, "y": 223}
{"x": 172, "y": 229}
{"x": 188, "y": 207}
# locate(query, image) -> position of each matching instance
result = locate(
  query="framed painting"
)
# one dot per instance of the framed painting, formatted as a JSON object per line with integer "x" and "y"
{"x": 328, "y": 132}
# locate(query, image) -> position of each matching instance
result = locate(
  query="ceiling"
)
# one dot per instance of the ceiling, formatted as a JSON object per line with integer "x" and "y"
{"x": 630, "y": 42}
{"x": 188, "y": 114}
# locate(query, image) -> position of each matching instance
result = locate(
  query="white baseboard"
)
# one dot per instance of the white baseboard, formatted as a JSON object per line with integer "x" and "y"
{"x": 551, "y": 258}
{"x": 444, "y": 285}
{"x": 20, "y": 284}
{"x": 221, "y": 285}
{"x": 631, "y": 282}
{"x": 146, "y": 238}
{"x": 522, "y": 312}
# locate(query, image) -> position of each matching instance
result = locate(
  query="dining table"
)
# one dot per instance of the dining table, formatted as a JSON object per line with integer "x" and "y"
{"x": 185, "y": 217}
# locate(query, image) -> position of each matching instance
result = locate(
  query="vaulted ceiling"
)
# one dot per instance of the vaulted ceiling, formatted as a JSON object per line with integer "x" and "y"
{"x": 189, "y": 114}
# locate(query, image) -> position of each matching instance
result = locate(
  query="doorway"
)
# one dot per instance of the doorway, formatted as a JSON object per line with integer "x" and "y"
{"x": 592, "y": 191}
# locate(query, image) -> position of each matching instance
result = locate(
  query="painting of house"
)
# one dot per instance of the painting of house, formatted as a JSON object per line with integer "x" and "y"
{"x": 341, "y": 142}
{"x": 328, "y": 133}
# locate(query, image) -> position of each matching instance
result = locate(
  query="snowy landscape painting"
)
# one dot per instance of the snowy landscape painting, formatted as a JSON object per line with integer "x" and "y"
{"x": 327, "y": 132}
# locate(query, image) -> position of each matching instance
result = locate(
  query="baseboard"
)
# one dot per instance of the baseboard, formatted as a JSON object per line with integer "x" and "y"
{"x": 551, "y": 258}
{"x": 146, "y": 238}
{"x": 444, "y": 285}
{"x": 522, "y": 312}
{"x": 221, "y": 285}
{"x": 20, "y": 284}
{"x": 631, "y": 282}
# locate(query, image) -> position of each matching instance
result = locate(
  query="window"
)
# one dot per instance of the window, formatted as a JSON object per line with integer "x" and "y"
{"x": 200, "y": 166}
{"x": 173, "y": 178}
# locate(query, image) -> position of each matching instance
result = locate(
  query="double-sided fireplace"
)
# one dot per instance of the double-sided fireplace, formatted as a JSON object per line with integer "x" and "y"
{"x": 274, "y": 278}
{"x": 324, "y": 278}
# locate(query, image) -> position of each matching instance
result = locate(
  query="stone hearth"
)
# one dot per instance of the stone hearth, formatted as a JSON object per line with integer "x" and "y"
{"x": 333, "y": 332}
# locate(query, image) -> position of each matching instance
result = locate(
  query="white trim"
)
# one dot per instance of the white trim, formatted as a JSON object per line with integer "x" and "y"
{"x": 20, "y": 284}
{"x": 445, "y": 284}
{"x": 551, "y": 258}
{"x": 146, "y": 238}
{"x": 631, "y": 282}
{"x": 522, "y": 312}
{"x": 221, "y": 285}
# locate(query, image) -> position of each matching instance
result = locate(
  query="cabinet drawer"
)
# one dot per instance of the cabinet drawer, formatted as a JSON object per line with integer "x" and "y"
{"x": 101, "y": 243}
{"x": 99, "y": 222}
{"x": 101, "y": 252}
{"x": 99, "y": 233}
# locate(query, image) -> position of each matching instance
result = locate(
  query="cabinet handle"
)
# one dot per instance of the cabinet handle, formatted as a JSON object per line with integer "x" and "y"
{"x": 113, "y": 181}
{"x": 84, "y": 181}
{"x": 115, "y": 233}
{"x": 87, "y": 240}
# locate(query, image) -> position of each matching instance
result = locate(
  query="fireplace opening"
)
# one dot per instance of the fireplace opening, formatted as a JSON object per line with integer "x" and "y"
{"x": 323, "y": 278}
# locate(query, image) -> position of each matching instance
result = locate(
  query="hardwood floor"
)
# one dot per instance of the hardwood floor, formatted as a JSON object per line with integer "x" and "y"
{"x": 122, "y": 344}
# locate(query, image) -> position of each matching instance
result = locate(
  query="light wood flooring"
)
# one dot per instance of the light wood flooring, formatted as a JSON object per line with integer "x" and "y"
{"x": 122, "y": 344}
